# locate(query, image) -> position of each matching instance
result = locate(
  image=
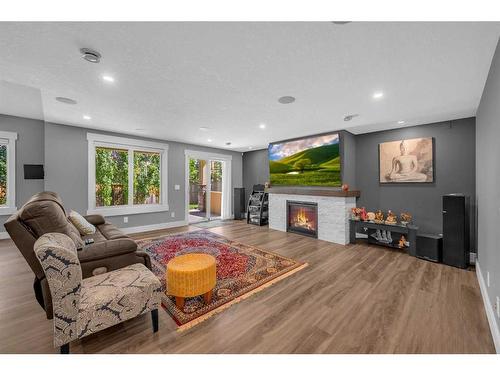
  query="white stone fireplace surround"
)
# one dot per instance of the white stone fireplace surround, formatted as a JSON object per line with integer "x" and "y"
{"x": 333, "y": 214}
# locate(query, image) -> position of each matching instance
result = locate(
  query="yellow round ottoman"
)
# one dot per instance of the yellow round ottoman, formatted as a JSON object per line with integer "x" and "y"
{"x": 191, "y": 275}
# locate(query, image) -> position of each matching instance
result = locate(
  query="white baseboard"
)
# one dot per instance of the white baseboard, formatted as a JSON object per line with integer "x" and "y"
{"x": 146, "y": 228}
{"x": 4, "y": 235}
{"x": 488, "y": 306}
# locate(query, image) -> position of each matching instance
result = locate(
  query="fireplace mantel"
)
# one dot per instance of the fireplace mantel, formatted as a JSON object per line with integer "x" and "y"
{"x": 314, "y": 192}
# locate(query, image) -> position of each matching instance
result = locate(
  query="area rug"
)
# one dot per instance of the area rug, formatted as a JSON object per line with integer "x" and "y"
{"x": 242, "y": 270}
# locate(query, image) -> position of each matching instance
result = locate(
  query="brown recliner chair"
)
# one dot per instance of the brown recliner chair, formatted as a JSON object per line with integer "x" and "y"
{"x": 44, "y": 213}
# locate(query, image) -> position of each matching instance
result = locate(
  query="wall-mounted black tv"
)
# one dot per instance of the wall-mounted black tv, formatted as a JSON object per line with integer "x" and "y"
{"x": 310, "y": 161}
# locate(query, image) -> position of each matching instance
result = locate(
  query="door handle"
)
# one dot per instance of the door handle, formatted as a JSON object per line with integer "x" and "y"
{"x": 444, "y": 211}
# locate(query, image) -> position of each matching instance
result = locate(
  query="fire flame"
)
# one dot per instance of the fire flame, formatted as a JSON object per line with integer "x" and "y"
{"x": 301, "y": 220}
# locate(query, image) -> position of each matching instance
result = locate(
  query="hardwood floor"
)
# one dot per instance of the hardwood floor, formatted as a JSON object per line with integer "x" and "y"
{"x": 350, "y": 299}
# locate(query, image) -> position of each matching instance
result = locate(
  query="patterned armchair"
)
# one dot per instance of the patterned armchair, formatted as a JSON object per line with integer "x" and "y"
{"x": 84, "y": 306}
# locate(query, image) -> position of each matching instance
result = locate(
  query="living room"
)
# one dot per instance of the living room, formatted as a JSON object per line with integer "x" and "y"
{"x": 316, "y": 187}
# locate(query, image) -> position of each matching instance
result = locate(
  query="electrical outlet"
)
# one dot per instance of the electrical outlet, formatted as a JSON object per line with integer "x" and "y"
{"x": 488, "y": 279}
{"x": 172, "y": 214}
{"x": 125, "y": 219}
{"x": 498, "y": 307}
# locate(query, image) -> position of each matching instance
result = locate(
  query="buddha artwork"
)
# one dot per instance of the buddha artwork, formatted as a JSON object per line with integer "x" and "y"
{"x": 370, "y": 216}
{"x": 406, "y": 161}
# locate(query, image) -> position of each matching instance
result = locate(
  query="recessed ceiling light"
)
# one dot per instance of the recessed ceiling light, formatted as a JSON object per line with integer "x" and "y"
{"x": 262, "y": 126}
{"x": 108, "y": 78}
{"x": 204, "y": 128}
{"x": 64, "y": 100}
{"x": 139, "y": 129}
{"x": 286, "y": 99}
{"x": 378, "y": 95}
{"x": 90, "y": 55}
{"x": 401, "y": 122}
{"x": 250, "y": 147}
{"x": 87, "y": 117}
{"x": 209, "y": 140}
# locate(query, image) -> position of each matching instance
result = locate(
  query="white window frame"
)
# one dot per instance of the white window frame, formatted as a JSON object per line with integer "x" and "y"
{"x": 9, "y": 139}
{"x": 100, "y": 140}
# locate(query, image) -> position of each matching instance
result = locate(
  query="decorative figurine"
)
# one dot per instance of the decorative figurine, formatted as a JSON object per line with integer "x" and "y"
{"x": 362, "y": 214}
{"x": 391, "y": 218}
{"x": 355, "y": 212}
{"x": 379, "y": 217}
{"x": 402, "y": 242}
{"x": 370, "y": 216}
{"x": 345, "y": 187}
{"x": 405, "y": 218}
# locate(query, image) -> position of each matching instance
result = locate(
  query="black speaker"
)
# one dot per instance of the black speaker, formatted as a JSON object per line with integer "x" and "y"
{"x": 239, "y": 205}
{"x": 456, "y": 230}
{"x": 430, "y": 247}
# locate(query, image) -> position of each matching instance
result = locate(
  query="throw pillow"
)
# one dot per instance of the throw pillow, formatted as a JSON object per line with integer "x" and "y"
{"x": 83, "y": 226}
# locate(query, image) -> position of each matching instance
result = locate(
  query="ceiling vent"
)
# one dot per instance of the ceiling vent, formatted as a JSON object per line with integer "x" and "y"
{"x": 350, "y": 117}
{"x": 90, "y": 55}
{"x": 64, "y": 100}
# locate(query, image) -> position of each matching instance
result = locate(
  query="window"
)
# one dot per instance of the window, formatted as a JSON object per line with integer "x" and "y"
{"x": 7, "y": 172}
{"x": 126, "y": 176}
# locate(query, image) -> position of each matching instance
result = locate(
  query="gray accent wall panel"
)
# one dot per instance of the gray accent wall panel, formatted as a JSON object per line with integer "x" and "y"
{"x": 454, "y": 163}
{"x": 488, "y": 179}
{"x": 348, "y": 159}
{"x": 29, "y": 150}
{"x": 255, "y": 170}
{"x": 67, "y": 170}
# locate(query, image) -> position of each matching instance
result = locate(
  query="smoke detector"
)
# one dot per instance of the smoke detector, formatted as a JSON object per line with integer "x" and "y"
{"x": 350, "y": 117}
{"x": 286, "y": 99}
{"x": 64, "y": 100}
{"x": 90, "y": 55}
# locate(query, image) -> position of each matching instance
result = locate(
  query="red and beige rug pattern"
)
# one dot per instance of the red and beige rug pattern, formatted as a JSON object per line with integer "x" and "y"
{"x": 242, "y": 270}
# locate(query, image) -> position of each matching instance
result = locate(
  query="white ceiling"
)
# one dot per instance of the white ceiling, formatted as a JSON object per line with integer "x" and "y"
{"x": 173, "y": 78}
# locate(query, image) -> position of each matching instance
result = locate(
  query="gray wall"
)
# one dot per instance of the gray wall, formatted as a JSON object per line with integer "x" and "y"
{"x": 255, "y": 169}
{"x": 66, "y": 172}
{"x": 454, "y": 172}
{"x": 348, "y": 159}
{"x": 488, "y": 179}
{"x": 29, "y": 150}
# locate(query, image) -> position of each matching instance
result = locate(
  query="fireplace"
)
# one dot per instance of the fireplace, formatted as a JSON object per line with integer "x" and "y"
{"x": 302, "y": 218}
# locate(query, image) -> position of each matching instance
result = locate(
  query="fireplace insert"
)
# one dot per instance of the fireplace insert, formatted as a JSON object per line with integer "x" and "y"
{"x": 302, "y": 218}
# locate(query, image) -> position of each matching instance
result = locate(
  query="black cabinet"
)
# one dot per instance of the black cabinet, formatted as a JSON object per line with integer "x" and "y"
{"x": 430, "y": 247}
{"x": 456, "y": 231}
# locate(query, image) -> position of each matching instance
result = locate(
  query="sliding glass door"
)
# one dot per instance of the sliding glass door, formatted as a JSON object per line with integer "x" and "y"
{"x": 198, "y": 181}
{"x": 207, "y": 188}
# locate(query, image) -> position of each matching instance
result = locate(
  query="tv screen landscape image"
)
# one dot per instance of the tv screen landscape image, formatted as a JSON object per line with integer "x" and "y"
{"x": 311, "y": 161}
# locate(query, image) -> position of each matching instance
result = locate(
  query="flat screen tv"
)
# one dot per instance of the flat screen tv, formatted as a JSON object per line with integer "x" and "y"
{"x": 310, "y": 161}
